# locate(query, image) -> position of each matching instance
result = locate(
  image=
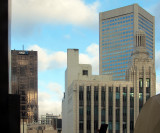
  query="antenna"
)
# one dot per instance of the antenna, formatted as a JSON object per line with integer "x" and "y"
{"x": 23, "y": 47}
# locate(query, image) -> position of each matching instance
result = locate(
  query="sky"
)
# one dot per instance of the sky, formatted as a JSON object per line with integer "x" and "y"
{"x": 52, "y": 26}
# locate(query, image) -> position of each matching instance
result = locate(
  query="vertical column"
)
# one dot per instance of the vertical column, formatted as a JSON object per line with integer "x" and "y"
{"x": 144, "y": 85}
{"x": 137, "y": 92}
{"x": 99, "y": 106}
{"x": 84, "y": 109}
{"x": 135, "y": 17}
{"x": 114, "y": 109}
{"x": 128, "y": 109}
{"x": 92, "y": 109}
{"x": 151, "y": 82}
{"x": 77, "y": 110}
{"x": 121, "y": 109}
{"x": 136, "y": 95}
{"x": 106, "y": 107}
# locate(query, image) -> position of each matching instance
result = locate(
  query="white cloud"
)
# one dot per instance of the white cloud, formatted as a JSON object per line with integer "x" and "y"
{"x": 58, "y": 59}
{"x": 154, "y": 9}
{"x": 42, "y": 96}
{"x": 49, "y": 61}
{"x": 158, "y": 84}
{"x": 50, "y": 98}
{"x": 93, "y": 49}
{"x": 56, "y": 89}
{"x": 76, "y": 12}
{"x": 47, "y": 105}
{"x": 157, "y": 57}
{"x": 92, "y": 57}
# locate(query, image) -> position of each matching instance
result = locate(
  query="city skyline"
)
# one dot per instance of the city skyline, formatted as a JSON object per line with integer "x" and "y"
{"x": 51, "y": 39}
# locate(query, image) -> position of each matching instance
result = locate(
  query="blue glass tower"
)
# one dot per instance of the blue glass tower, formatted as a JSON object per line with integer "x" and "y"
{"x": 116, "y": 43}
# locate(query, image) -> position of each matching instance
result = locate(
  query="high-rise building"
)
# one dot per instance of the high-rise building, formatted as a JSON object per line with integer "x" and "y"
{"x": 116, "y": 38}
{"x": 92, "y": 100}
{"x": 24, "y": 72}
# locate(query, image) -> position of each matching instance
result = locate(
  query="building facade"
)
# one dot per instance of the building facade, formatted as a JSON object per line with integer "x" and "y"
{"x": 48, "y": 118}
{"x": 24, "y": 82}
{"x": 116, "y": 38}
{"x": 92, "y": 100}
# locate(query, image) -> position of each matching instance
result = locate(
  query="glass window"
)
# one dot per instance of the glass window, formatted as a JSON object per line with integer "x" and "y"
{"x": 140, "y": 96}
{"x": 81, "y": 111}
{"x": 88, "y": 110}
{"x": 95, "y": 95}
{"x": 140, "y": 83}
{"x": 81, "y": 125}
{"x": 85, "y": 72}
{"x": 147, "y": 82}
{"x": 88, "y": 125}
{"x": 110, "y": 126}
{"x": 117, "y": 95}
{"x": 117, "y": 126}
{"x": 80, "y": 95}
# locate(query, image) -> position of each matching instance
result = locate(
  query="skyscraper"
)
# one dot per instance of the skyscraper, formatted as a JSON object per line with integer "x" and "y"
{"x": 24, "y": 82}
{"x": 116, "y": 42}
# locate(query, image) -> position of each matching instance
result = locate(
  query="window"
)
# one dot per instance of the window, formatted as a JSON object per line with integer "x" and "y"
{"x": 117, "y": 126}
{"x": 81, "y": 102}
{"x": 103, "y": 96}
{"x": 85, "y": 72}
{"x": 147, "y": 82}
{"x": 81, "y": 125}
{"x": 103, "y": 114}
{"x": 117, "y": 93}
{"x": 125, "y": 111}
{"x": 95, "y": 110}
{"x": 110, "y": 95}
{"x": 88, "y": 96}
{"x": 110, "y": 126}
{"x": 95, "y": 95}
{"x": 131, "y": 125}
{"x": 89, "y": 110}
{"x": 140, "y": 83}
{"x": 96, "y": 125}
{"x": 131, "y": 94}
{"x": 81, "y": 112}
{"x": 88, "y": 125}
{"x": 81, "y": 95}
{"x": 117, "y": 114}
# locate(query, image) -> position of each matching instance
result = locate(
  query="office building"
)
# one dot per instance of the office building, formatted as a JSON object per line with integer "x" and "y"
{"x": 47, "y": 119}
{"x": 24, "y": 82}
{"x": 116, "y": 38}
{"x": 92, "y": 100}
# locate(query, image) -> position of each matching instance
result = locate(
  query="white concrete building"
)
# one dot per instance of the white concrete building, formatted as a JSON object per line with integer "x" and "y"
{"x": 92, "y": 100}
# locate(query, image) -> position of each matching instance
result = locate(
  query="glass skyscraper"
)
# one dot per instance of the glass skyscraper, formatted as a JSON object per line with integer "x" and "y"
{"x": 116, "y": 43}
{"x": 24, "y": 80}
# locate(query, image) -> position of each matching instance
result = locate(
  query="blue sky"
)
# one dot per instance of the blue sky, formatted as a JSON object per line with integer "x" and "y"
{"x": 52, "y": 26}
